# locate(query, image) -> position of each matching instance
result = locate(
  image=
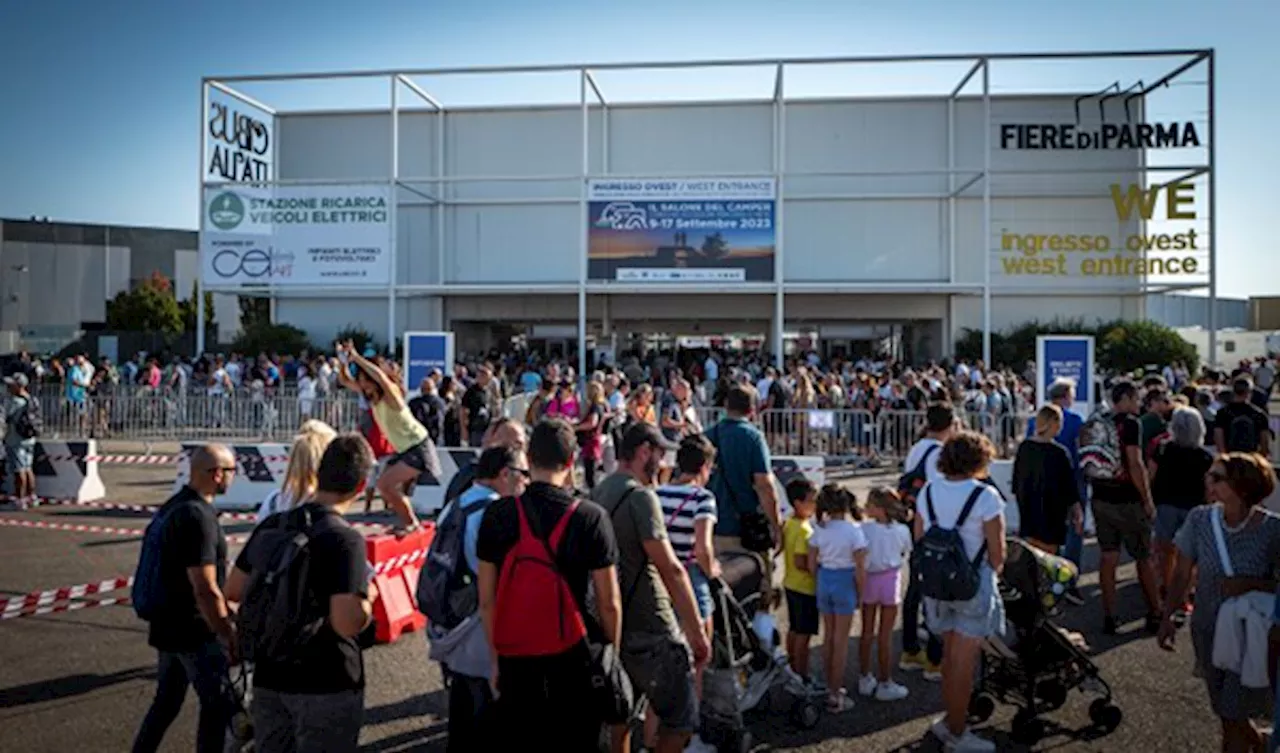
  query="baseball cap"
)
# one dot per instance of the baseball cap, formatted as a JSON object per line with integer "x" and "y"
{"x": 641, "y": 434}
{"x": 18, "y": 379}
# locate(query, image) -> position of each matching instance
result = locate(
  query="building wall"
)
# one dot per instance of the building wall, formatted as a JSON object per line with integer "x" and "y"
{"x": 517, "y": 219}
{"x": 1177, "y": 310}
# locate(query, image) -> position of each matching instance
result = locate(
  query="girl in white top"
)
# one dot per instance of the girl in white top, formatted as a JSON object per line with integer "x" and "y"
{"x": 964, "y": 625}
{"x": 300, "y": 475}
{"x": 888, "y": 544}
{"x": 838, "y": 554}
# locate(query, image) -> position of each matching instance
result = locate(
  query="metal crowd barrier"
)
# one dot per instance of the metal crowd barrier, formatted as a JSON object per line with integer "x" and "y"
{"x": 166, "y": 415}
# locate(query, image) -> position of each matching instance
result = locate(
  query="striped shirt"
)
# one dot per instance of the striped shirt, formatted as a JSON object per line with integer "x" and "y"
{"x": 682, "y": 507}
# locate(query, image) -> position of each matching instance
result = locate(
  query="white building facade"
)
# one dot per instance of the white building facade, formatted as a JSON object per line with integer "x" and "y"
{"x": 840, "y": 222}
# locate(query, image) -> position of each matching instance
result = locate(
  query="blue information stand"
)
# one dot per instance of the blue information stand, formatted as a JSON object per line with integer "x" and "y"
{"x": 1067, "y": 357}
{"x": 424, "y": 351}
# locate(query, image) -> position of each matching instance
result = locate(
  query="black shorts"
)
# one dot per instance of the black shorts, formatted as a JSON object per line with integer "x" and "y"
{"x": 802, "y": 612}
{"x": 421, "y": 457}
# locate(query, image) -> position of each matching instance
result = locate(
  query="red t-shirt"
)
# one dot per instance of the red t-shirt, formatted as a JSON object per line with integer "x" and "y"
{"x": 377, "y": 440}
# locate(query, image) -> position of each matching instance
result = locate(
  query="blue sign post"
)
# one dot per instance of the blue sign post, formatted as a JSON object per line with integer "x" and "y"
{"x": 1067, "y": 357}
{"x": 424, "y": 351}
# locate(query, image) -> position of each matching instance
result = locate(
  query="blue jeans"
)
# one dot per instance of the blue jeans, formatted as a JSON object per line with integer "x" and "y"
{"x": 205, "y": 669}
{"x": 911, "y": 604}
{"x": 1073, "y": 549}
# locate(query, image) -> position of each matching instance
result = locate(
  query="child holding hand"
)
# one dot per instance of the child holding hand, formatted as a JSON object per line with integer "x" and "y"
{"x": 800, "y": 584}
{"x": 888, "y": 545}
{"x": 838, "y": 552}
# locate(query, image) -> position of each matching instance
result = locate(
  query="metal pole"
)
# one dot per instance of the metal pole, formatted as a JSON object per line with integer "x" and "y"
{"x": 582, "y": 228}
{"x": 779, "y": 270}
{"x": 204, "y": 109}
{"x": 986, "y": 212}
{"x": 440, "y": 188}
{"x": 393, "y": 200}
{"x": 106, "y": 266}
{"x": 1213, "y": 223}
{"x": 948, "y": 326}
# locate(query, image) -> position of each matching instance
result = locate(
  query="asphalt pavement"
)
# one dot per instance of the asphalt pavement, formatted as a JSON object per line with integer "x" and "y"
{"x": 84, "y": 679}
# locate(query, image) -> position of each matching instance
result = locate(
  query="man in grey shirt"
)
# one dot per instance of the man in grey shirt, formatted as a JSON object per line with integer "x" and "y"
{"x": 655, "y": 591}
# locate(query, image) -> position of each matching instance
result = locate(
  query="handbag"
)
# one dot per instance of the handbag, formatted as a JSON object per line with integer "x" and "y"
{"x": 611, "y": 695}
{"x": 754, "y": 530}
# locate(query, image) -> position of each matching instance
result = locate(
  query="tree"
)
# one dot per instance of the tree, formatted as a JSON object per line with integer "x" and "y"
{"x": 254, "y": 310}
{"x": 190, "y": 316}
{"x": 270, "y": 338}
{"x": 150, "y": 307}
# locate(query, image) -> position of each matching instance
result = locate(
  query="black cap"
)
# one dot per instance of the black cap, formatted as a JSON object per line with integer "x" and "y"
{"x": 641, "y": 434}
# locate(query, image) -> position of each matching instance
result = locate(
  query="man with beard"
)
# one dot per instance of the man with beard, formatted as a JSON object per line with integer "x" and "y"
{"x": 655, "y": 592}
{"x": 191, "y": 629}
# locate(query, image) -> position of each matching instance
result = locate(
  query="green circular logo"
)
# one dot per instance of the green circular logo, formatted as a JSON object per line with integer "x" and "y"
{"x": 226, "y": 212}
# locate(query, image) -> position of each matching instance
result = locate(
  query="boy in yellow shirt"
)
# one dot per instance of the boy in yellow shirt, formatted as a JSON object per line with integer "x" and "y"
{"x": 801, "y": 585}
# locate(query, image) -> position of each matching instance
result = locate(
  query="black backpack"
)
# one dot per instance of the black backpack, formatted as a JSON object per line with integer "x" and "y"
{"x": 30, "y": 422}
{"x": 447, "y": 589}
{"x": 280, "y": 612}
{"x": 910, "y": 483}
{"x": 147, "y": 592}
{"x": 1242, "y": 434}
{"x": 939, "y": 564}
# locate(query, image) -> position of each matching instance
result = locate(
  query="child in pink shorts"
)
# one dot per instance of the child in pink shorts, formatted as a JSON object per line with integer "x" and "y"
{"x": 888, "y": 545}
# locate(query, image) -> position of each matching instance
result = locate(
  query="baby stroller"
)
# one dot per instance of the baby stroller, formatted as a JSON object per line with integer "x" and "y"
{"x": 1037, "y": 664}
{"x": 747, "y": 665}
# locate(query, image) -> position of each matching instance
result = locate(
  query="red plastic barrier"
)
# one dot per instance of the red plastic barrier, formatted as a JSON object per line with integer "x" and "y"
{"x": 396, "y": 564}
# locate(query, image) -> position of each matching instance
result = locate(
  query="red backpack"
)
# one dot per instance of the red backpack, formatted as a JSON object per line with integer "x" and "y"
{"x": 535, "y": 612}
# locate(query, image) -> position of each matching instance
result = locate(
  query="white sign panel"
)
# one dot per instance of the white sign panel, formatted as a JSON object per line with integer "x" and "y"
{"x": 332, "y": 236}
{"x": 631, "y": 189}
{"x": 238, "y": 144}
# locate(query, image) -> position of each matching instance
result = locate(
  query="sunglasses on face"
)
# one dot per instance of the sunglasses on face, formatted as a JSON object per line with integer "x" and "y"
{"x": 521, "y": 471}
{"x": 224, "y": 469}
{"x": 1216, "y": 476}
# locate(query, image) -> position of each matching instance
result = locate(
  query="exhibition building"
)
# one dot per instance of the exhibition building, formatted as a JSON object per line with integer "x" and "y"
{"x": 846, "y": 205}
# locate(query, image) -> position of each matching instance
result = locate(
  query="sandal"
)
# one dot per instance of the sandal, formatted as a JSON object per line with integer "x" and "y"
{"x": 839, "y": 704}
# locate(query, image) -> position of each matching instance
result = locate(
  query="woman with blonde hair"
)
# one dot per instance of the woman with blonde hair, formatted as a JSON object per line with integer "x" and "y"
{"x": 589, "y": 429}
{"x": 300, "y": 475}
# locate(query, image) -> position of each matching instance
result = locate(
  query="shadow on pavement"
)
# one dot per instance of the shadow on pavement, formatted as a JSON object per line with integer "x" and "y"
{"x": 70, "y": 686}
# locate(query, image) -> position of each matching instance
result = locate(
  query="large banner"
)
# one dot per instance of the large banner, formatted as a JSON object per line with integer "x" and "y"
{"x": 283, "y": 236}
{"x": 686, "y": 230}
{"x": 1066, "y": 357}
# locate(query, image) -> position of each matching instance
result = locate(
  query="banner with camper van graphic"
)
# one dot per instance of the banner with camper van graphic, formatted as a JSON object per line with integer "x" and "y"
{"x": 681, "y": 230}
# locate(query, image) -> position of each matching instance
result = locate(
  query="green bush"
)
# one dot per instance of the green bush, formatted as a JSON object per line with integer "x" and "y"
{"x": 1121, "y": 345}
{"x": 270, "y": 338}
{"x": 150, "y": 307}
{"x": 190, "y": 317}
{"x": 360, "y": 337}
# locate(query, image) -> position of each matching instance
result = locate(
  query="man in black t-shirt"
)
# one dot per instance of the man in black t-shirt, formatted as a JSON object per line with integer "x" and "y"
{"x": 191, "y": 629}
{"x": 1123, "y": 510}
{"x": 1240, "y": 426}
{"x": 547, "y": 696}
{"x": 475, "y": 407}
{"x": 313, "y": 699}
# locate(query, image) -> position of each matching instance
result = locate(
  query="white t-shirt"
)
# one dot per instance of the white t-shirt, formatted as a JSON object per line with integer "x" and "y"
{"x": 888, "y": 544}
{"x": 917, "y": 454}
{"x": 836, "y": 542}
{"x": 949, "y": 498}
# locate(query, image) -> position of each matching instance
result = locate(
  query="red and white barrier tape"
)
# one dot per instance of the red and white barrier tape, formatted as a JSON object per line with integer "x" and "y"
{"x": 42, "y": 598}
{"x": 248, "y": 517}
{"x": 68, "y": 607}
{"x": 74, "y": 527}
{"x": 395, "y": 563}
{"x": 148, "y": 459}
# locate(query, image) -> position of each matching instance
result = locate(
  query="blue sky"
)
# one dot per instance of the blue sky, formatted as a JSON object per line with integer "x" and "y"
{"x": 100, "y": 99}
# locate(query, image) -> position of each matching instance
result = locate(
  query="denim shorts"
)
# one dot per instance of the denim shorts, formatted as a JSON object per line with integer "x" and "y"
{"x": 701, "y": 591}
{"x": 979, "y": 617}
{"x": 837, "y": 593}
{"x": 20, "y": 456}
{"x": 1168, "y": 520}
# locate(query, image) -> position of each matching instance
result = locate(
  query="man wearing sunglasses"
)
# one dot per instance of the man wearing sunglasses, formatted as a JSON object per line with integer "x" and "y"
{"x": 501, "y": 471}
{"x": 191, "y": 629}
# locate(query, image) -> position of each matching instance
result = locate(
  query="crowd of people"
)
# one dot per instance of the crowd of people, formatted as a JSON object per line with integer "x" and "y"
{"x": 589, "y": 534}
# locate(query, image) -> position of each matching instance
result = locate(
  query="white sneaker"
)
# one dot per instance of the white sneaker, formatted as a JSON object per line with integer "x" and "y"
{"x": 867, "y": 685}
{"x": 940, "y": 731}
{"x": 970, "y": 743}
{"x": 891, "y": 691}
{"x": 696, "y": 745}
